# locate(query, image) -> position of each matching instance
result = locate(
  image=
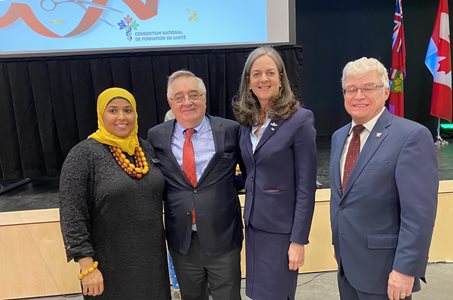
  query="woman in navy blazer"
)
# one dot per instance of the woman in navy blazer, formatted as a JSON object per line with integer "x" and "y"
{"x": 277, "y": 141}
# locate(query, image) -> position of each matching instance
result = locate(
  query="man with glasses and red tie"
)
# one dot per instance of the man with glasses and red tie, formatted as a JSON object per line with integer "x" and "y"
{"x": 384, "y": 181}
{"x": 198, "y": 154}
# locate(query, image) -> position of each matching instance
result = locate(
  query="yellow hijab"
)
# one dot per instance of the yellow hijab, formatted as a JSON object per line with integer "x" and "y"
{"x": 102, "y": 135}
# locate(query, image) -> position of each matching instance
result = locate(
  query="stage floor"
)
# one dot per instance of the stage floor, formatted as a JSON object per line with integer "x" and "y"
{"x": 42, "y": 193}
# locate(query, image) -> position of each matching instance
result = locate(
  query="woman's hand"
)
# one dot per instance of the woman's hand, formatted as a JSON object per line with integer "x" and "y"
{"x": 92, "y": 283}
{"x": 296, "y": 256}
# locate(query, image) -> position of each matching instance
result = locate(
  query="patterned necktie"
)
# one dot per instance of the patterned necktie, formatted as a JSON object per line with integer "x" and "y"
{"x": 353, "y": 153}
{"x": 188, "y": 162}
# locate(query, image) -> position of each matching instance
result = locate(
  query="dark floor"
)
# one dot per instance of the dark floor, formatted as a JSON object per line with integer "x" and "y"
{"x": 42, "y": 193}
{"x": 444, "y": 158}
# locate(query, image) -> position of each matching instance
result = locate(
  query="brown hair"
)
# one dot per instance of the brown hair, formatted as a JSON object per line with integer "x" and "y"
{"x": 246, "y": 107}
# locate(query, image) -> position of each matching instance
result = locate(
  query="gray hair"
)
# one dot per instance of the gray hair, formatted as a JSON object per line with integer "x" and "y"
{"x": 169, "y": 115}
{"x": 364, "y": 65}
{"x": 184, "y": 73}
{"x": 246, "y": 107}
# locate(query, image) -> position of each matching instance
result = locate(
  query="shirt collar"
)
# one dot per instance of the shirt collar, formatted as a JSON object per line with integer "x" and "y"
{"x": 370, "y": 124}
{"x": 265, "y": 124}
{"x": 180, "y": 130}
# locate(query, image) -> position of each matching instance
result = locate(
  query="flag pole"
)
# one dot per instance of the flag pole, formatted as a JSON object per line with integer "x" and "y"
{"x": 439, "y": 140}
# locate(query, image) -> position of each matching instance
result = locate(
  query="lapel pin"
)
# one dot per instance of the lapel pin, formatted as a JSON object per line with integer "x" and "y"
{"x": 273, "y": 125}
{"x": 378, "y": 135}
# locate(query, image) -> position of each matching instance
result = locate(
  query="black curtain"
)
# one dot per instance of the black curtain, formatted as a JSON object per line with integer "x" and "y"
{"x": 48, "y": 104}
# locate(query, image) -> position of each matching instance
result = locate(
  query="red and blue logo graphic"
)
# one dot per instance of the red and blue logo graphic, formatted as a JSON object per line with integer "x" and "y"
{"x": 128, "y": 24}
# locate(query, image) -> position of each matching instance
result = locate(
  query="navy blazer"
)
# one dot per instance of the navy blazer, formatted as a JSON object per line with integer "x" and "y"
{"x": 215, "y": 198}
{"x": 384, "y": 219}
{"x": 281, "y": 176}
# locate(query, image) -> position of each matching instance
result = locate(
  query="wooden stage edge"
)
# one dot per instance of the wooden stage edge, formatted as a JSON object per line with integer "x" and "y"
{"x": 33, "y": 262}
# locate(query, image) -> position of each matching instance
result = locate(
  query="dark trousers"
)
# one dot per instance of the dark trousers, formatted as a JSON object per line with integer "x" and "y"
{"x": 348, "y": 292}
{"x": 196, "y": 270}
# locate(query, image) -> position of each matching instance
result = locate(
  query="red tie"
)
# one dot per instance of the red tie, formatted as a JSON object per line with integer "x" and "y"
{"x": 353, "y": 153}
{"x": 188, "y": 162}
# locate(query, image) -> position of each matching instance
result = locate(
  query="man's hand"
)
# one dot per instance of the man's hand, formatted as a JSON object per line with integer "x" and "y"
{"x": 399, "y": 285}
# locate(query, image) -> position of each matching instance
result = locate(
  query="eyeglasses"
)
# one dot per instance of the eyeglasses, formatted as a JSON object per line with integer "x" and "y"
{"x": 192, "y": 97}
{"x": 366, "y": 89}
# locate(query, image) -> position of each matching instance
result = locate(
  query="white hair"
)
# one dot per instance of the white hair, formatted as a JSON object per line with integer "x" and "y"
{"x": 184, "y": 73}
{"x": 169, "y": 115}
{"x": 364, "y": 65}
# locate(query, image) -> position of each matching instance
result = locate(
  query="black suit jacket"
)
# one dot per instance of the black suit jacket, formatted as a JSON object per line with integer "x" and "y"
{"x": 215, "y": 197}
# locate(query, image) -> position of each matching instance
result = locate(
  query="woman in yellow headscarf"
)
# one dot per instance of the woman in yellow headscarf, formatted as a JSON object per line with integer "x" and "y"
{"x": 111, "y": 207}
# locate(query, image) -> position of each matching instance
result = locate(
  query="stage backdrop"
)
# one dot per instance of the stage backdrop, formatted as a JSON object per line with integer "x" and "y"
{"x": 334, "y": 32}
{"x": 47, "y": 105}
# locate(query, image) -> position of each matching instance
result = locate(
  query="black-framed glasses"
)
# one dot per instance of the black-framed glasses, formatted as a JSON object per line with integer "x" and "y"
{"x": 366, "y": 89}
{"x": 179, "y": 98}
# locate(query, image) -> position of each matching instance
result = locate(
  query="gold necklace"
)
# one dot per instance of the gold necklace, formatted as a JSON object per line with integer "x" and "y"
{"x": 133, "y": 171}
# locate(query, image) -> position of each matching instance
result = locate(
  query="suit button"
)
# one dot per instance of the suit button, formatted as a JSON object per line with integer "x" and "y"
{"x": 195, "y": 191}
{"x": 188, "y": 213}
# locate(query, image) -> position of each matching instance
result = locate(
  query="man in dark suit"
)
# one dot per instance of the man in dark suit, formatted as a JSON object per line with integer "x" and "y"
{"x": 202, "y": 209}
{"x": 383, "y": 205}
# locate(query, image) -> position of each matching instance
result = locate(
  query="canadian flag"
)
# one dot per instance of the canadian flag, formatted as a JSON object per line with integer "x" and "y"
{"x": 438, "y": 61}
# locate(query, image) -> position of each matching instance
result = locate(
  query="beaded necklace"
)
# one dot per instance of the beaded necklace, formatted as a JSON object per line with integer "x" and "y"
{"x": 133, "y": 171}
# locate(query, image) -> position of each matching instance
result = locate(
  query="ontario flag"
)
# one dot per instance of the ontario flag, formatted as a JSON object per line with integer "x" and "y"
{"x": 438, "y": 61}
{"x": 398, "y": 68}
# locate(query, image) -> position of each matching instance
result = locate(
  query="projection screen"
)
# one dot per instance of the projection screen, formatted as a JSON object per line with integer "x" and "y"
{"x": 63, "y": 27}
